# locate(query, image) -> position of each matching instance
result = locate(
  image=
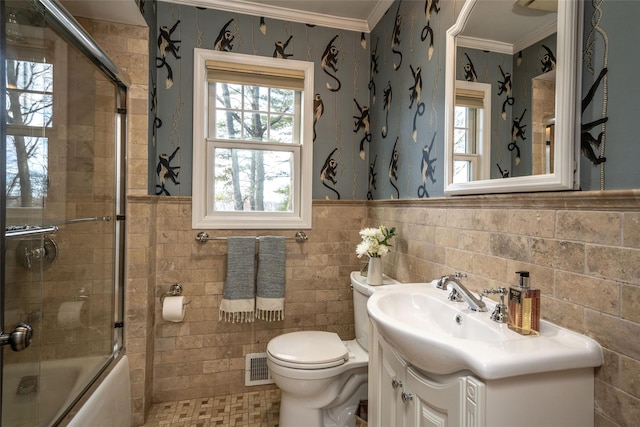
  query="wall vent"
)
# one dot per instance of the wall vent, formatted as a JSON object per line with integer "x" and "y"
{"x": 256, "y": 370}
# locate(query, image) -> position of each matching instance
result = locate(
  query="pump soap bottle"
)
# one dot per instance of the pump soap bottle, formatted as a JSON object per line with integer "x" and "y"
{"x": 524, "y": 307}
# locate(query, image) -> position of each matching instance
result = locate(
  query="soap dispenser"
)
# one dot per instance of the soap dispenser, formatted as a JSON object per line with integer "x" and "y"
{"x": 524, "y": 307}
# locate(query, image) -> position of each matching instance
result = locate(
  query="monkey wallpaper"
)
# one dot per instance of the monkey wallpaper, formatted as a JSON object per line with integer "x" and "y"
{"x": 510, "y": 78}
{"x": 379, "y": 97}
{"x": 341, "y": 99}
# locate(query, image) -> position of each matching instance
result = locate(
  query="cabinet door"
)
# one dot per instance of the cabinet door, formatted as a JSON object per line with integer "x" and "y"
{"x": 386, "y": 384}
{"x": 450, "y": 403}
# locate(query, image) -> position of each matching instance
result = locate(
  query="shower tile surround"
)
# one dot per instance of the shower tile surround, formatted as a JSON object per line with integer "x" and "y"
{"x": 583, "y": 250}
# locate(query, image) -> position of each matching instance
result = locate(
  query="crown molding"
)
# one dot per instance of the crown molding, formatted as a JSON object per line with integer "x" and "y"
{"x": 507, "y": 48}
{"x": 275, "y": 12}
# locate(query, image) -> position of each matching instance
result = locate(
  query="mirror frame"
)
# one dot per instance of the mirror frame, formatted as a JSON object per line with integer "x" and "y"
{"x": 568, "y": 84}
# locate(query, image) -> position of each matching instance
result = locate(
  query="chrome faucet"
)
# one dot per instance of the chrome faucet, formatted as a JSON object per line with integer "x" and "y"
{"x": 460, "y": 293}
{"x": 442, "y": 282}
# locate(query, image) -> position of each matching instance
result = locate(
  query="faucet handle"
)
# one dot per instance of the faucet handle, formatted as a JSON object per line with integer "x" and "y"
{"x": 500, "y": 291}
{"x": 500, "y": 311}
{"x": 459, "y": 275}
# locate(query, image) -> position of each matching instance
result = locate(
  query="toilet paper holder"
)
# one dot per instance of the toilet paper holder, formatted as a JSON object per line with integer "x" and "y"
{"x": 174, "y": 291}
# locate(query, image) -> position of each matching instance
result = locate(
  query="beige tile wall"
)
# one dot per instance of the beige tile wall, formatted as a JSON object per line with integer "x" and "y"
{"x": 583, "y": 252}
{"x": 127, "y": 46}
{"x": 203, "y": 356}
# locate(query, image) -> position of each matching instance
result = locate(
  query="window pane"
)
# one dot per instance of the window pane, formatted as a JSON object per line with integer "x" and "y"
{"x": 30, "y": 174}
{"x": 460, "y": 117}
{"x": 256, "y": 98}
{"x": 461, "y": 171}
{"x": 281, "y": 129}
{"x": 29, "y": 93}
{"x": 282, "y": 100}
{"x": 253, "y": 180}
{"x": 228, "y": 95}
{"x": 228, "y": 124}
{"x": 255, "y": 126}
{"x": 460, "y": 141}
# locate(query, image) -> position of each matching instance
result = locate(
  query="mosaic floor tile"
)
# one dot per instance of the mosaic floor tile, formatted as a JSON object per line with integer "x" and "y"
{"x": 254, "y": 409}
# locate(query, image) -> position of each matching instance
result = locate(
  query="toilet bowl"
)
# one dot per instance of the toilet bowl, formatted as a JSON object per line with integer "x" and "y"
{"x": 322, "y": 378}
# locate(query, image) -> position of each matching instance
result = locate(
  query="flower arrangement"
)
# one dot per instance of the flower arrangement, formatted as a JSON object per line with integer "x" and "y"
{"x": 375, "y": 241}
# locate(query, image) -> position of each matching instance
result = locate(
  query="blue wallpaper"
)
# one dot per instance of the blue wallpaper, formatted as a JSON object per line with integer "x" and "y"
{"x": 611, "y": 64}
{"x": 383, "y": 130}
{"x": 341, "y": 87}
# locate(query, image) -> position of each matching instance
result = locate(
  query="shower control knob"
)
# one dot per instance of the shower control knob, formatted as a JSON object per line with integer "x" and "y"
{"x": 19, "y": 338}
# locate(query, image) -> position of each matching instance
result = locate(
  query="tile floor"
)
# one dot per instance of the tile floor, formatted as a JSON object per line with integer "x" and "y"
{"x": 254, "y": 409}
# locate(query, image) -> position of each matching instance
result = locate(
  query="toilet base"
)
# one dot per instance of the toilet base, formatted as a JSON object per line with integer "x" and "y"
{"x": 344, "y": 415}
{"x": 293, "y": 411}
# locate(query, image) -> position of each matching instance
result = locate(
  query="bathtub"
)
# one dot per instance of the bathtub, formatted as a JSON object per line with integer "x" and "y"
{"x": 59, "y": 384}
{"x": 38, "y": 394}
{"x": 110, "y": 403}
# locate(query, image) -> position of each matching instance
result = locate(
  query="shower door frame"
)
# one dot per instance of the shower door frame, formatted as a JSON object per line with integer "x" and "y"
{"x": 58, "y": 18}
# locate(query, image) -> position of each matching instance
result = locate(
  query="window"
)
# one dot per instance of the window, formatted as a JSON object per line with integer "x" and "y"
{"x": 471, "y": 130}
{"x": 29, "y": 111}
{"x": 252, "y": 151}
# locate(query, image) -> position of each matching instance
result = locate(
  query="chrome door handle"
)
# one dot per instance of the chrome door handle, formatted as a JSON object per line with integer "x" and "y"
{"x": 19, "y": 338}
{"x": 395, "y": 383}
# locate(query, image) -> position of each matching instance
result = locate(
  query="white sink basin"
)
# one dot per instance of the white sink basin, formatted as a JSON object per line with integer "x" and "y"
{"x": 441, "y": 337}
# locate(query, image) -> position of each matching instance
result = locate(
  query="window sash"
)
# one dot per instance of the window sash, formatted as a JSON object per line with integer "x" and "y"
{"x": 213, "y": 111}
{"x": 295, "y": 151}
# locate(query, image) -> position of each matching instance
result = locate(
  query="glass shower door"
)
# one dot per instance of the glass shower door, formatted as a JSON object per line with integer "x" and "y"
{"x": 60, "y": 211}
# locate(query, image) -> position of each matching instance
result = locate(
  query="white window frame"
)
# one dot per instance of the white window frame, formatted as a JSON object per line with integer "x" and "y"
{"x": 478, "y": 160}
{"x": 202, "y": 218}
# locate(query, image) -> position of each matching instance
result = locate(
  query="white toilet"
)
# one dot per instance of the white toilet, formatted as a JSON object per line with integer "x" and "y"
{"x": 322, "y": 379}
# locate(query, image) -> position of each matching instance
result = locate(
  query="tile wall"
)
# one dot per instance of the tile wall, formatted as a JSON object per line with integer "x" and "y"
{"x": 583, "y": 252}
{"x": 582, "y": 249}
{"x": 127, "y": 46}
{"x": 202, "y": 356}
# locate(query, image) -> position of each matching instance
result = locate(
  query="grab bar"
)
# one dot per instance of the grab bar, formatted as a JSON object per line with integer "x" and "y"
{"x": 30, "y": 230}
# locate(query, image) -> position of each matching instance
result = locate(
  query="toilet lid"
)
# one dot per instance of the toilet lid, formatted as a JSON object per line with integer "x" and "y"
{"x": 308, "y": 350}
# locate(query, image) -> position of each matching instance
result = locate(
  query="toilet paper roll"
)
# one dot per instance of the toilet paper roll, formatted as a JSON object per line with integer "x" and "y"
{"x": 69, "y": 314}
{"x": 173, "y": 309}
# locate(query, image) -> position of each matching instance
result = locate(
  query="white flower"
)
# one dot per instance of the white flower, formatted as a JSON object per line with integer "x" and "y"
{"x": 375, "y": 241}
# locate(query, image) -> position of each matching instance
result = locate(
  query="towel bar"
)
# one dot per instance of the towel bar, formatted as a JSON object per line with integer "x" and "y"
{"x": 203, "y": 236}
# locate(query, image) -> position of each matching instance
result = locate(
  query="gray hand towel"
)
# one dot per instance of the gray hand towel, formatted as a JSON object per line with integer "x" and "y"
{"x": 238, "y": 297}
{"x": 271, "y": 278}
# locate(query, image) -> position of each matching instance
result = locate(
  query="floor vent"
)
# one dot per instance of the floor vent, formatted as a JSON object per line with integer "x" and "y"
{"x": 256, "y": 370}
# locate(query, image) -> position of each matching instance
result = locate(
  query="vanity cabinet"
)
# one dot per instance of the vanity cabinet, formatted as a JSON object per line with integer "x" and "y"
{"x": 402, "y": 396}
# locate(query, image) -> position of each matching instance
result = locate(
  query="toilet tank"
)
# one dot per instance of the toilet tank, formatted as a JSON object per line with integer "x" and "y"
{"x": 361, "y": 293}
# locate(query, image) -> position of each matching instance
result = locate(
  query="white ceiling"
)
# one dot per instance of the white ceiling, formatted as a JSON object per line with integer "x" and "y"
{"x": 122, "y": 11}
{"x": 354, "y": 15}
{"x": 509, "y": 24}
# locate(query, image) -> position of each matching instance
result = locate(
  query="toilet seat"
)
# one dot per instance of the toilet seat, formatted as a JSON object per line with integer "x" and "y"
{"x": 308, "y": 350}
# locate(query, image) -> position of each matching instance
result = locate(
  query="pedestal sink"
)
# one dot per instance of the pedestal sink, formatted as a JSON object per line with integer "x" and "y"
{"x": 442, "y": 337}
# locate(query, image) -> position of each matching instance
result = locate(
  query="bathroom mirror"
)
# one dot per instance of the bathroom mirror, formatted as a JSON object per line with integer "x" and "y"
{"x": 528, "y": 52}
